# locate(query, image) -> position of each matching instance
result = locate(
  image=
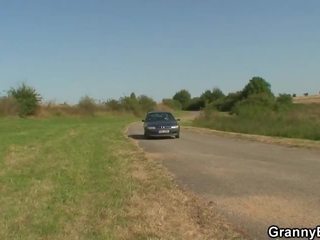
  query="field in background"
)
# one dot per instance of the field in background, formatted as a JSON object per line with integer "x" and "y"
{"x": 307, "y": 99}
{"x": 81, "y": 178}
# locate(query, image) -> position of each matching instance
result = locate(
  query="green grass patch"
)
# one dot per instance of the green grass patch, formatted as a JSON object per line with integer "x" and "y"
{"x": 63, "y": 178}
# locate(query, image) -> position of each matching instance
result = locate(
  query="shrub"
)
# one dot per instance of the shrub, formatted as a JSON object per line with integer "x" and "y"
{"x": 226, "y": 104}
{"x": 113, "y": 105}
{"x": 146, "y": 103}
{"x": 87, "y": 105}
{"x": 131, "y": 104}
{"x": 171, "y": 103}
{"x": 195, "y": 104}
{"x": 255, "y": 105}
{"x": 284, "y": 99}
{"x": 27, "y": 98}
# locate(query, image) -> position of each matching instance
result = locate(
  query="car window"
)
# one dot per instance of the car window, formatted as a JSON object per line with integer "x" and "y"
{"x": 154, "y": 117}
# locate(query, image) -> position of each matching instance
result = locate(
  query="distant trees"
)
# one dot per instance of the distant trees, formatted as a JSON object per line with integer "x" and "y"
{"x": 184, "y": 97}
{"x": 137, "y": 105}
{"x": 211, "y": 96}
{"x": 196, "y": 104}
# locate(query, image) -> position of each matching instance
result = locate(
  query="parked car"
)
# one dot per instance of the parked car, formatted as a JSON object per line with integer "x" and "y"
{"x": 161, "y": 124}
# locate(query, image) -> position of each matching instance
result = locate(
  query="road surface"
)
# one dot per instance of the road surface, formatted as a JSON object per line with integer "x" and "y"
{"x": 254, "y": 185}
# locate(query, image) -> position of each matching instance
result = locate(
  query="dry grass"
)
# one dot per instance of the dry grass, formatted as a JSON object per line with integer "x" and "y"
{"x": 307, "y": 99}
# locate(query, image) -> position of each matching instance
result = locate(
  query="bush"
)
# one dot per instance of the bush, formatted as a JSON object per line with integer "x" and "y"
{"x": 171, "y": 103}
{"x": 87, "y": 105}
{"x": 226, "y": 104}
{"x": 285, "y": 99}
{"x": 131, "y": 104}
{"x": 27, "y": 98}
{"x": 255, "y": 105}
{"x": 8, "y": 106}
{"x": 196, "y": 104}
{"x": 113, "y": 105}
{"x": 146, "y": 103}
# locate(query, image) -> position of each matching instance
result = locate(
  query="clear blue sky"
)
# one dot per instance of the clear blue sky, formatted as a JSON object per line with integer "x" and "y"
{"x": 106, "y": 49}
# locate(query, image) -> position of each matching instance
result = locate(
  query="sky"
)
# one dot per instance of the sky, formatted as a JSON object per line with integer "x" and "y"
{"x": 108, "y": 49}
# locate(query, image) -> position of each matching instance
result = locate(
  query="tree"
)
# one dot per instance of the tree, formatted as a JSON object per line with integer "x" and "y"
{"x": 27, "y": 98}
{"x": 206, "y": 96}
{"x": 212, "y": 96}
{"x": 133, "y": 95}
{"x": 146, "y": 103}
{"x": 184, "y": 97}
{"x": 217, "y": 94}
{"x": 257, "y": 85}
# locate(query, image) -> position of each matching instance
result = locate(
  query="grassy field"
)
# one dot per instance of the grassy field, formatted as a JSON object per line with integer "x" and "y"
{"x": 307, "y": 99}
{"x": 81, "y": 178}
{"x": 300, "y": 121}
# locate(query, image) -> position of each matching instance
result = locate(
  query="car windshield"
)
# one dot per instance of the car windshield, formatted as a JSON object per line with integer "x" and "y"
{"x": 155, "y": 117}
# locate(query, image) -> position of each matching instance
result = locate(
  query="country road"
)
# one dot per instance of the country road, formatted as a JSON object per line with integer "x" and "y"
{"x": 254, "y": 185}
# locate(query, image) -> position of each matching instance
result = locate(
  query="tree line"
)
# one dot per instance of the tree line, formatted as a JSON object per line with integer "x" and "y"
{"x": 256, "y": 92}
{"x": 25, "y": 101}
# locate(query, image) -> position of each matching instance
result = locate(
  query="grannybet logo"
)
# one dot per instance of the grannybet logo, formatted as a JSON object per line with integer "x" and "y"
{"x": 305, "y": 233}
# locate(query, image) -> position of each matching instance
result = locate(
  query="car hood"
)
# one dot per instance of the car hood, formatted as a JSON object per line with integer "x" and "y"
{"x": 162, "y": 123}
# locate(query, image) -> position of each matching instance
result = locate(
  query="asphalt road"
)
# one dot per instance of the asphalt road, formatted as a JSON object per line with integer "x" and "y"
{"x": 253, "y": 184}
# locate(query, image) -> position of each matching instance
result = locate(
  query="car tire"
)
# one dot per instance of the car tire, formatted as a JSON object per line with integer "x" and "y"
{"x": 178, "y": 135}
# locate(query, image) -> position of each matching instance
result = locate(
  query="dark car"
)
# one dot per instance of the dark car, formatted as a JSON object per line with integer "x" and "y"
{"x": 161, "y": 124}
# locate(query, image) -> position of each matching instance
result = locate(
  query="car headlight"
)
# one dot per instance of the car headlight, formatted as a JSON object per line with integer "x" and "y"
{"x": 175, "y": 127}
{"x": 151, "y": 128}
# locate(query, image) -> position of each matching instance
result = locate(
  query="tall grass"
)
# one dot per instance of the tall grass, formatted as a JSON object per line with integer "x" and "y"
{"x": 298, "y": 121}
{"x": 8, "y": 106}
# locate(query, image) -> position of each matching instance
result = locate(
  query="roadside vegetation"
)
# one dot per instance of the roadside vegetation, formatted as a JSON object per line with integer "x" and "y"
{"x": 256, "y": 110}
{"x": 25, "y": 101}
